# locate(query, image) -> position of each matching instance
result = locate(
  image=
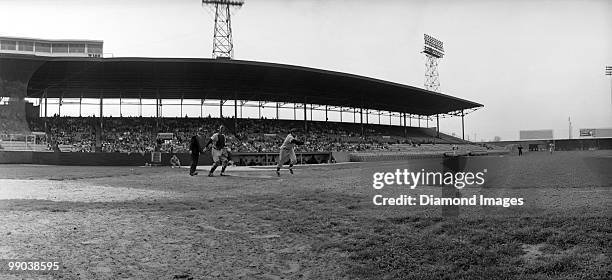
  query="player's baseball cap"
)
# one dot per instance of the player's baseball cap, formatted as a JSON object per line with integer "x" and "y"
{"x": 293, "y": 130}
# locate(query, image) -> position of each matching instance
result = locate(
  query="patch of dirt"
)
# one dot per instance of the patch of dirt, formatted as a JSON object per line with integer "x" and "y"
{"x": 532, "y": 252}
{"x": 75, "y": 191}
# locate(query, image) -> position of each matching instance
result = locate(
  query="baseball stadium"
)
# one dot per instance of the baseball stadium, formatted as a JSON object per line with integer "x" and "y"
{"x": 95, "y": 156}
{"x": 225, "y": 82}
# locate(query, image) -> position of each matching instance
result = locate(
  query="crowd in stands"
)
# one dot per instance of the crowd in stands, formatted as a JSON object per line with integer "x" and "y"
{"x": 268, "y": 135}
{"x": 77, "y": 132}
{"x": 139, "y": 135}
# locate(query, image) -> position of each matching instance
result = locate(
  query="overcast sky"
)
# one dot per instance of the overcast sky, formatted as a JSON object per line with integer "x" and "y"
{"x": 531, "y": 63}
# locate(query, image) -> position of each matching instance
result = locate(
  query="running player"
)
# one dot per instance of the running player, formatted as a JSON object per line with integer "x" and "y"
{"x": 219, "y": 151}
{"x": 287, "y": 152}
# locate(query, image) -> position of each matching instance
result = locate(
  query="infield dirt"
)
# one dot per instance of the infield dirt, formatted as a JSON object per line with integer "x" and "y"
{"x": 160, "y": 223}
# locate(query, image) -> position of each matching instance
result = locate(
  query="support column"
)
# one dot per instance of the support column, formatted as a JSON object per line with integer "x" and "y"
{"x": 361, "y": 120}
{"x": 399, "y": 115}
{"x": 405, "y": 131}
{"x": 157, "y": 107}
{"x": 438, "y": 125}
{"x": 294, "y": 111}
{"x": 259, "y": 108}
{"x": 201, "y": 107}
{"x": 181, "y": 106}
{"x": 101, "y": 112}
{"x": 46, "y": 101}
{"x": 311, "y": 111}
{"x": 354, "y": 115}
{"x": 100, "y": 134}
{"x": 120, "y": 99}
{"x": 462, "y": 125}
{"x": 80, "y": 102}
{"x": 419, "y": 118}
{"x": 341, "y": 113}
{"x": 140, "y": 105}
{"x": 325, "y": 113}
{"x": 235, "y": 112}
{"x": 221, "y": 108}
{"x": 379, "y": 113}
{"x": 40, "y": 101}
{"x": 59, "y": 105}
{"x": 157, "y": 103}
{"x": 305, "y": 117}
{"x": 277, "y": 110}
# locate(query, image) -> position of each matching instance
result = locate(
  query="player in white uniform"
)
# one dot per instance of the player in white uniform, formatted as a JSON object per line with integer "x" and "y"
{"x": 219, "y": 151}
{"x": 551, "y": 147}
{"x": 287, "y": 152}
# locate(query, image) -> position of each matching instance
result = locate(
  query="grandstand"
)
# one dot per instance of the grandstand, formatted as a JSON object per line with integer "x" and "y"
{"x": 254, "y": 135}
{"x": 29, "y": 77}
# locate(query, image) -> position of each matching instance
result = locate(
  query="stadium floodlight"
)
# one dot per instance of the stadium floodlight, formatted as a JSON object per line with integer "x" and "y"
{"x": 433, "y": 50}
{"x": 223, "y": 47}
{"x": 433, "y": 46}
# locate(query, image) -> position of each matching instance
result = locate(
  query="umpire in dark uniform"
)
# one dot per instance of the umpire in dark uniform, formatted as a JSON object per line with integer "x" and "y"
{"x": 196, "y": 149}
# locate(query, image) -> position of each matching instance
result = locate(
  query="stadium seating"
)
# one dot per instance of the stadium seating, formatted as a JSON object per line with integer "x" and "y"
{"x": 414, "y": 151}
{"x": 251, "y": 135}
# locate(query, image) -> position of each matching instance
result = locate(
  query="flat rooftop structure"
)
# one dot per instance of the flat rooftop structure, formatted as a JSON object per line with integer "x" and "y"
{"x": 53, "y": 48}
{"x": 195, "y": 78}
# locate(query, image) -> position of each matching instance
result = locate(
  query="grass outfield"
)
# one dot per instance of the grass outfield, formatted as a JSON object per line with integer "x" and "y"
{"x": 160, "y": 223}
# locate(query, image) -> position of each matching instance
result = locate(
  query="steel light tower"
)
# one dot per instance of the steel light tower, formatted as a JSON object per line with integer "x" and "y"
{"x": 223, "y": 46}
{"x": 433, "y": 50}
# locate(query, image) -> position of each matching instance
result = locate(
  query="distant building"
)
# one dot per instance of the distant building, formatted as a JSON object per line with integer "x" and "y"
{"x": 542, "y": 134}
{"x": 596, "y": 132}
{"x": 58, "y": 48}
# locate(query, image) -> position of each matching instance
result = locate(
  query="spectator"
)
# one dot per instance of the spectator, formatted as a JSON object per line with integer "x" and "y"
{"x": 175, "y": 162}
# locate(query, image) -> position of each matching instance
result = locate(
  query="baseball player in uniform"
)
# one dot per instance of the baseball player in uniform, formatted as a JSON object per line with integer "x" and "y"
{"x": 219, "y": 151}
{"x": 287, "y": 152}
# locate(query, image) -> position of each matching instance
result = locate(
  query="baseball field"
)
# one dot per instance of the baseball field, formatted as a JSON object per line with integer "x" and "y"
{"x": 320, "y": 223}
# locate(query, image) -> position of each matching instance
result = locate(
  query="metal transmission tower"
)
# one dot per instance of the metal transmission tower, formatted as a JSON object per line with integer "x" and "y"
{"x": 433, "y": 50}
{"x": 222, "y": 38}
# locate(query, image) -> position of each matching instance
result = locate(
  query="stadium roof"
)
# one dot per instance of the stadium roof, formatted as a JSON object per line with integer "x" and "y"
{"x": 188, "y": 78}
